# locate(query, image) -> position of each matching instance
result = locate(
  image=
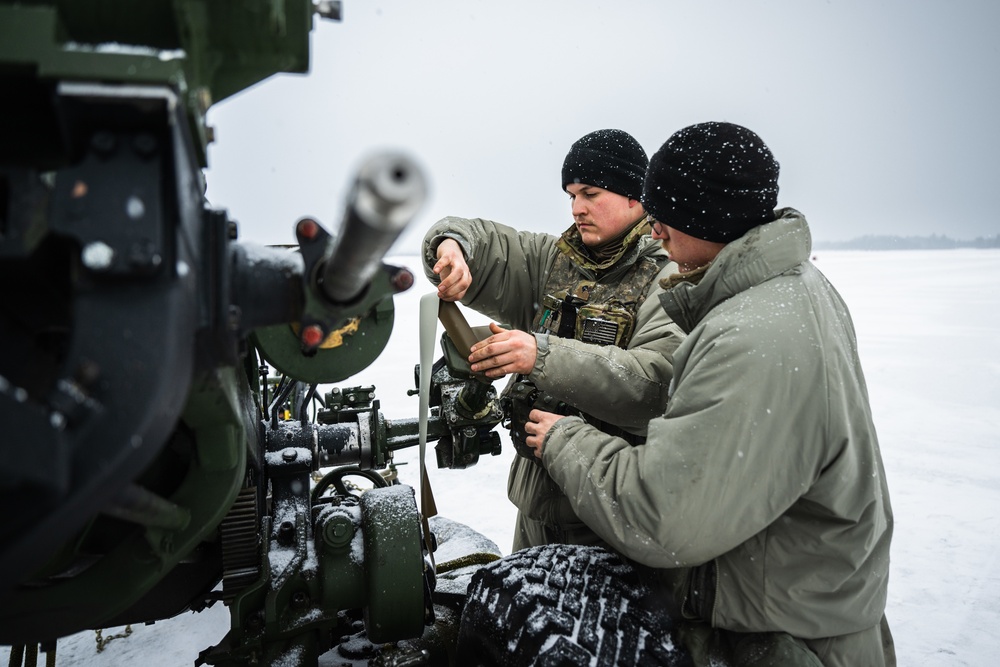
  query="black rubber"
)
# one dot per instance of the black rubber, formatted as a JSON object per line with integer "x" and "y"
{"x": 565, "y": 606}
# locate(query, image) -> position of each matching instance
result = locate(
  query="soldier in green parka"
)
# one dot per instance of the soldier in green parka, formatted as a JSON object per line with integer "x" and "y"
{"x": 586, "y": 331}
{"x": 759, "y": 498}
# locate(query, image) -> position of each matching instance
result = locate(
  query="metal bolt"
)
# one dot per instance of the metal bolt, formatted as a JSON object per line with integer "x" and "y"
{"x": 402, "y": 280}
{"x": 312, "y": 335}
{"x": 286, "y": 532}
{"x": 308, "y": 229}
{"x": 338, "y": 531}
{"x": 289, "y": 455}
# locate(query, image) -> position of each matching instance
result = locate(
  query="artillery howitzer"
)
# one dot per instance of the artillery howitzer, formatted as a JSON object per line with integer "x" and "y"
{"x": 148, "y": 455}
{"x": 147, "y": 452}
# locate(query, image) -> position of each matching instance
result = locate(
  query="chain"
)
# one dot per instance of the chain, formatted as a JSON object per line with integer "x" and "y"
{"x": 102, "y": 642}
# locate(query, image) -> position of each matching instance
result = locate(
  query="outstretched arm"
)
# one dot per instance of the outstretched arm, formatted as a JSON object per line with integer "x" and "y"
{"x": 503, "y": 272}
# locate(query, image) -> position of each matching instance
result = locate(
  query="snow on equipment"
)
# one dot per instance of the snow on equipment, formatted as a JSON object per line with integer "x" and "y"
{"x": 158, "y": 377}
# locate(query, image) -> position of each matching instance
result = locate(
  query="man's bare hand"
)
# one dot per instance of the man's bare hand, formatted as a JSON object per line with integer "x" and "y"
{"x": 506, "y": 351}
{"x": 537, "y": 427}
{"x": 454, "y": 271}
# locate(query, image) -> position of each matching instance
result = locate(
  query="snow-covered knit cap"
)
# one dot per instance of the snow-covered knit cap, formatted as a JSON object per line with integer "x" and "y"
{"x": 714, "y": 181}
{"x": 609, "y": 159}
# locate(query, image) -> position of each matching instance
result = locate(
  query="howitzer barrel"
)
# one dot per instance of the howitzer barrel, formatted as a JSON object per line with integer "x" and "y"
{"x": 267, "y": 282}
{"x": 389, "y": 190}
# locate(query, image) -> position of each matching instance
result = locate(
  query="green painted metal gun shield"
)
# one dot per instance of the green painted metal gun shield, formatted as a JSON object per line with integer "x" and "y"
{"x": 139, "y": 563}
{"x": 281, "y": 347}
{"x": 205, "y": 50}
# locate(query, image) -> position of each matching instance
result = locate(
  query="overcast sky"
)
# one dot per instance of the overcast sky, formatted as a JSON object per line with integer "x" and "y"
{"x": 884, "y": 114}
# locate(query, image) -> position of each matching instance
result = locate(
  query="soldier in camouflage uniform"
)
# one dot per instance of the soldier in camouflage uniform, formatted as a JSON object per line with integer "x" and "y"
{"x": 586, "y": 335}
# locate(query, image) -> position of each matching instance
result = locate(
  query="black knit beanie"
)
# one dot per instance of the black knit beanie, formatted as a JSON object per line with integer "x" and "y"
{"x": 714, "y": 181}
{"x": 609, "y": 159}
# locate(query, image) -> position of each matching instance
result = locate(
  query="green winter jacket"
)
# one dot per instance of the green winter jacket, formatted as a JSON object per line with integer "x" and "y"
{"x": 625, "y": 387}
{"x": 765, "y": 466}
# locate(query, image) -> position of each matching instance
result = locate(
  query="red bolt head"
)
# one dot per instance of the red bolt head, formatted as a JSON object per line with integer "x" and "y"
{"x": 308, "y": 229}
{"x": 312, "y": 335}
{"x": 402, "y": 280}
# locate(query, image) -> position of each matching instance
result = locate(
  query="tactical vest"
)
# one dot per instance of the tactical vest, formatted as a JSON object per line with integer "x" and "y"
{"x": 587, "y": 309}
{"x": 574, "y": 306}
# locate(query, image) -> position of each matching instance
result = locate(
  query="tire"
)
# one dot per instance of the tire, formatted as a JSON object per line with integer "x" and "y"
{"x": 565, "y": 606}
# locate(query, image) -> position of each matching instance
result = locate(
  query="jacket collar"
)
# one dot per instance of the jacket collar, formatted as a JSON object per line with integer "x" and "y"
{"x": 762, "y": 253}
{"x": 632, "y": 247}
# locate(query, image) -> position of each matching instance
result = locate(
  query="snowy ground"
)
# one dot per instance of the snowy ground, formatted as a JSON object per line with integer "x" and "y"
{"x": 928, "y": 326}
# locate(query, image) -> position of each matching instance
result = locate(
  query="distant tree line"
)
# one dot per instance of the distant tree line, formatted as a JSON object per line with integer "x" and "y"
{"x": 933, "y": 242}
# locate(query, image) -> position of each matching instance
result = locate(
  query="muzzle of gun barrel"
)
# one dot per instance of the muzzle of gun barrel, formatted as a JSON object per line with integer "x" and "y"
{"x": 386, "y": 195}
